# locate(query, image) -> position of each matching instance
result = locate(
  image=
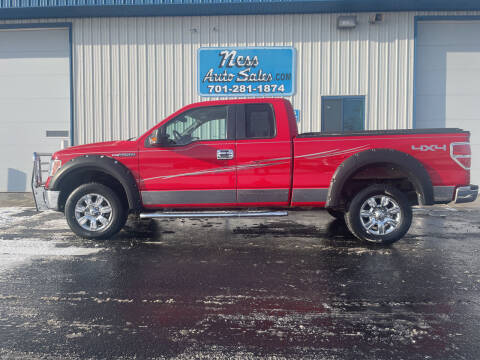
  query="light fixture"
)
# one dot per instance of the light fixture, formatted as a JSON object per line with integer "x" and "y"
{"x": 346, "y": 22}
{"x": 375, "y": 18}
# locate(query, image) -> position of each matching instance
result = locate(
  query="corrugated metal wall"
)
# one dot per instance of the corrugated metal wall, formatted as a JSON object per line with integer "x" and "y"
{"x": 129, "y": 73}
{"x": 133, "y": 72}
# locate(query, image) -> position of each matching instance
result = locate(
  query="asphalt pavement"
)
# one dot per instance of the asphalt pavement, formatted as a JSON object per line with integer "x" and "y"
{"x": 295, "y": 287}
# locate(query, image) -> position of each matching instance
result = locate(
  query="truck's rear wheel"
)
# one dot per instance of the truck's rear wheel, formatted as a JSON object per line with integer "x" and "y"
{"x": 94, "y": 211}
{"x": 379, "y": 214}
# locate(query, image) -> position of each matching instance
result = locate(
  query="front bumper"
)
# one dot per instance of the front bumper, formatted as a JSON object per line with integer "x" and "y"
{"x": 44, "y": 199}
{"x": 466, "y": 194}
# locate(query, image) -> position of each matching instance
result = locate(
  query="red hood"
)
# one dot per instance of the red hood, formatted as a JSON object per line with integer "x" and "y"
{"x": 107, "y": 147}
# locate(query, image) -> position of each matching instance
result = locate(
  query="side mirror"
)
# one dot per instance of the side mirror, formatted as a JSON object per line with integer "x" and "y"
{"x": 162, "y": 139}
{"x": 158, "y": 138}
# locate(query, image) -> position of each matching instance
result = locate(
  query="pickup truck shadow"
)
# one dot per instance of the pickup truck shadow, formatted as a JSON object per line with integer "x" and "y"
{"x": 335, "y": 233}
{"x": 138, "y": 229}
{"x": 335, "y": 229}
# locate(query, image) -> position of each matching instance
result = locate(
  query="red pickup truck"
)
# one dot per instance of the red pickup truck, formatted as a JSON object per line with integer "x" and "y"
{"x": 246, "y": 158}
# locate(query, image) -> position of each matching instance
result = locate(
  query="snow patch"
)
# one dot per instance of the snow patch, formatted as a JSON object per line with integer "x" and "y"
{"x": 17, "y": 251}
{"x": 8, "y": 215}
{"x": 57, "y": 224}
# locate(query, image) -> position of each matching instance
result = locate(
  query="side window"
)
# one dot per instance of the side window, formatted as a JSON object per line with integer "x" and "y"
{"x": 345, "y": 113}
{"x": 215, "y": 129}
{"x": 201, "y": 124}
{"x": 259, "y": 121}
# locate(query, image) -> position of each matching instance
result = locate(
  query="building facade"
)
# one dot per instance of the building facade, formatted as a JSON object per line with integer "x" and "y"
{"x": 87, "y": 73}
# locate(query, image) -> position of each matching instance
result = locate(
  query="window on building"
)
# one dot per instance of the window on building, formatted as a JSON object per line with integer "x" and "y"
{"x": 259, "y": 121}
{"x": 343, "y": 113}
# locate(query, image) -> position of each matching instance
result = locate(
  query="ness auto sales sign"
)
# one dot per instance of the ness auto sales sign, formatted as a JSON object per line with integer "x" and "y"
{"x": 246, "y": 71}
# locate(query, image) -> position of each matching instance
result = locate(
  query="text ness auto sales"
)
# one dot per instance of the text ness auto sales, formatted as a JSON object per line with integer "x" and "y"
{"x": 230, "y": 59}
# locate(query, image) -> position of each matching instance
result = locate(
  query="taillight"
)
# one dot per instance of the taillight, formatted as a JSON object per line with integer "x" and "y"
{"x": 460, "y": 153}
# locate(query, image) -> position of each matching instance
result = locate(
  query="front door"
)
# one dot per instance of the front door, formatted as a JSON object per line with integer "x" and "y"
{"x": 194, "y": 163}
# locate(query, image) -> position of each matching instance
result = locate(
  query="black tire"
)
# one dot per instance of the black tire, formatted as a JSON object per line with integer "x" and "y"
{"x": 337, "y": 214}
{"x": 399, "y": 224}
{"x": 116, "y": 218}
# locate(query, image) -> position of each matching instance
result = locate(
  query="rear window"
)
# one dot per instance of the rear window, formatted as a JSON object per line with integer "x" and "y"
{"x": 259, "y": 121}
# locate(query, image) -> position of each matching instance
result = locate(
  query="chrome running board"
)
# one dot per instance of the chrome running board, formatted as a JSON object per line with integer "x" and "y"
{"x": 211, "y": 214}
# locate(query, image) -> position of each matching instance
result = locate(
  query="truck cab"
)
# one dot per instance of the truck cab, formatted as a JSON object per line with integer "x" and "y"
{"x": 220, "y": 156}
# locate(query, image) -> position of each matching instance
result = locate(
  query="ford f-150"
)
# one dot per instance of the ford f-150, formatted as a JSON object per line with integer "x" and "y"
{"x": 246, "y": 158}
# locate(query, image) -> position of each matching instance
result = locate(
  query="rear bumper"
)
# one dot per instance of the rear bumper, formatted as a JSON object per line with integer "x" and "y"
{"x": 466, "y": 194}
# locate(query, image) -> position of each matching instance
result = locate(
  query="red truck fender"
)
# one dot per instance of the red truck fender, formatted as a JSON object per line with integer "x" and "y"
{"x": 411, "y": 167}
{"x": 96, "y": 166}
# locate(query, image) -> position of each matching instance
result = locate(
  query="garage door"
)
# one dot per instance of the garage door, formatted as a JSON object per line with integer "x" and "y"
{"x": 448, "y": 79}
{"x": 34, "y": 100}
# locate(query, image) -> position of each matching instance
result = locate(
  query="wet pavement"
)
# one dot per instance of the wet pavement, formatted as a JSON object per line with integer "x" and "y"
{"x": 296, "y": 287}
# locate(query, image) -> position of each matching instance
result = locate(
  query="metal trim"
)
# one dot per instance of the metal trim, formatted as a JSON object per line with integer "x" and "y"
{"x": 51, "y": 199}
{"x": 309, "y": 195}
{"x": 466, "y": 194}
{"x": 44, "y": 199}
{"x": 262, "y": 196}
{"x": 217, "y": 214}
{"x": 70, "y": 9}
{"x": 186, "y": 197}
{"x": 442, "y": 194}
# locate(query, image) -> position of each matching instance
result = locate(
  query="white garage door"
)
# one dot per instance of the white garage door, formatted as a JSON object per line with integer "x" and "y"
{"x": 448, "y": 80}
{"x": 34, "y": 100}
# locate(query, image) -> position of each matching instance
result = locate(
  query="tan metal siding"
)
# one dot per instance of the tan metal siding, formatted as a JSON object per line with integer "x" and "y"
{"x": 130, "y": 73}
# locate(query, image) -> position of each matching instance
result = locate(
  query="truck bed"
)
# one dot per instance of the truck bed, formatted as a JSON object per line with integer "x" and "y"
{"x": 383, "y": 132}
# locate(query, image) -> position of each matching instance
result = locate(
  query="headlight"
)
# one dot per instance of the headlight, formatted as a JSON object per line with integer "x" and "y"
{"x": 54, "y": 166}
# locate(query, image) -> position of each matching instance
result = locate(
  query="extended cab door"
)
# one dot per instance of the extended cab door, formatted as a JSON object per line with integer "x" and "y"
{"x": 194, "y": 163}
{"x": 264, "y": 155}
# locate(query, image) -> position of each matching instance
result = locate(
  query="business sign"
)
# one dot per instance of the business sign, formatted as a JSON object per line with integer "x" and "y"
{"x": 246, "y": 71}
{"x": 297, "y": 115}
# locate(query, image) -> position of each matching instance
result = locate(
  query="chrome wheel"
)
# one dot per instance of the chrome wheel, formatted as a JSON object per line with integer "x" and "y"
{"x": 93, "y": 212}
{"x": 380, "y": 215}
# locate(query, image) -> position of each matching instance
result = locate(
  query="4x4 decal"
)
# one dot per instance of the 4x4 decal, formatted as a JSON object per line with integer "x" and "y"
{"x": 429, "y": 147}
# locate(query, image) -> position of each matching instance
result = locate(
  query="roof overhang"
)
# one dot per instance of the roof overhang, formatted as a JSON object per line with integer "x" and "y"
{"x": 31, "y": 9}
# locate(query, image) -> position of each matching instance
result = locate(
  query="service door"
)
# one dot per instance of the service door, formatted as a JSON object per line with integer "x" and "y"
{"x": 34, "y": 100}
{"x": 194, "y": 166}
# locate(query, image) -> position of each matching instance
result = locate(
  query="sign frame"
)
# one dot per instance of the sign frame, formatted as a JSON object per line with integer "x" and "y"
{"x": 259, "y": 95}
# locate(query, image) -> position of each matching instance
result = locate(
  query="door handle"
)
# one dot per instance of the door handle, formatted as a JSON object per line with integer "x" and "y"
{"x": 224, "y": 154}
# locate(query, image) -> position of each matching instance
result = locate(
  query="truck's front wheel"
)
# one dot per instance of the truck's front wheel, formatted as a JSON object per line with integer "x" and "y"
{"x": 379, "y": 214}
{"x": 94, "y": 211}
